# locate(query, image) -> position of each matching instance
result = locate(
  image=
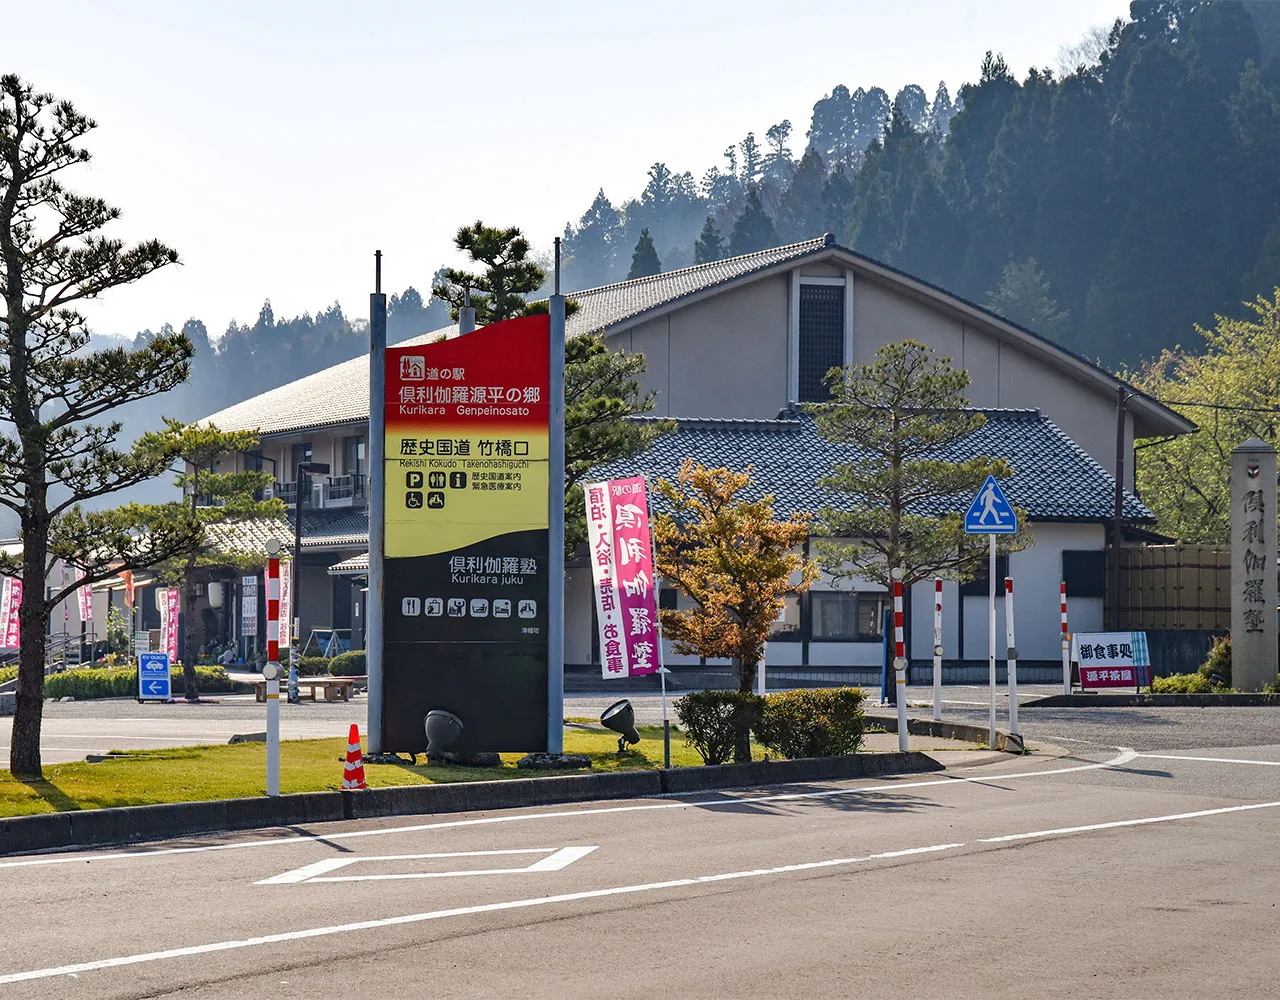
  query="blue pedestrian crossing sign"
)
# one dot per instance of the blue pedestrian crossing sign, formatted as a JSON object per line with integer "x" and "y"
{"x": 990, "y": 513}
{"x": 153, "y": 677}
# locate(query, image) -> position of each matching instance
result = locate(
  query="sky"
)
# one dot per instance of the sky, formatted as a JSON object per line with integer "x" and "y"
{"x": 276, "y": 145}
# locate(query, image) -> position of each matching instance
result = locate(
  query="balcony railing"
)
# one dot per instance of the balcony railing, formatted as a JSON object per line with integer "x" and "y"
{"x": 344, "y": 491}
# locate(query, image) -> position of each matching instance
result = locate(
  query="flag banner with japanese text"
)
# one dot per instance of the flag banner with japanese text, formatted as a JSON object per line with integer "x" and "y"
{"x": 1111, "y": 659}
{"x": 286, "y": 601}
{"x": 84, "y": 598}
{"x": 466, "y": 557}
{"x": 626, "y": 592}
{"x": 10, "y": 608}
{"x": 169, "y": 601}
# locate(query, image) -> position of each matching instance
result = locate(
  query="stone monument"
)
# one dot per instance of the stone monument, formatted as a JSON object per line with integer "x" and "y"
{"x": 1253, "y": 565}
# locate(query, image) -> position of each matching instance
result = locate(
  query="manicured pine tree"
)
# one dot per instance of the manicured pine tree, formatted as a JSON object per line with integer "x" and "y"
{"x": 644, "y": 259}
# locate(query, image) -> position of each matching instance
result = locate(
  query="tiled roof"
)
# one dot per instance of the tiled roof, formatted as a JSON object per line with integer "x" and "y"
{"x": 340, "y": 394}
{"x": 342, "y": 528}
{"x": 1053, "y": 478}
{"x": 348, "y": 567}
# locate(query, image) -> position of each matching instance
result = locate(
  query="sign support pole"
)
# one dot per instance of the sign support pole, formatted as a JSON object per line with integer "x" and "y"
{"x": 1011, "y": 655}
{"x": 1066, "y": 639}
{"x": 272, "y": 669}
{"x": 377, "y": 504}
{"x": 937, "y": 650}
{"x": 899, "y": 660}
{"x": 555, "y": 524}
{"x": 991, "y": 641}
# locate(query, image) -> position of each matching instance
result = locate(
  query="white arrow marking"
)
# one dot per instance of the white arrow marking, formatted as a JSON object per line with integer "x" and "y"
{"x": 318, "y": 871}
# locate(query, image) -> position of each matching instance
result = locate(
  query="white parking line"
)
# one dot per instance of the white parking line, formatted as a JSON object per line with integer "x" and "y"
{"x": 1215, "y": 760}
{"x": 888, "y": 787}
{"x": 1128, "y": 822}
{"x": 318, "y": 871}
{"x": 568, "y": 897}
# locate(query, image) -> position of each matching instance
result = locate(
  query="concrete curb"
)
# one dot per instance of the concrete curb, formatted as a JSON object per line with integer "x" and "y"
{"x": 1153, "y": 700}
{"x": 943, "y": 730}
{"x": 133, "y": 824}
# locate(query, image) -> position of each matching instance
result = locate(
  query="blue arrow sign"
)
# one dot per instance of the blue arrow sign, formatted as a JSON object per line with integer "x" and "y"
{"x": 153, "y": 677}
{"x": 990, "y": 513}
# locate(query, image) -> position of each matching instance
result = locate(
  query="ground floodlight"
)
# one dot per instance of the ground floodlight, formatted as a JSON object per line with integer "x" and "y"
{"x": 621, "y": 718}
{"x": 443, "y": 729}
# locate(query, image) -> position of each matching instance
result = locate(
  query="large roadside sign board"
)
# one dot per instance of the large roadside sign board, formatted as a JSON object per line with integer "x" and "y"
{"x": 466, "y": 538}
{"x": 153, "y": 677}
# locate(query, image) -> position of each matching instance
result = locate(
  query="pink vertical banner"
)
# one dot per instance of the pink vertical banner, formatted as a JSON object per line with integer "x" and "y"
{"x": 604, "y": 582}
{"x": 84, "y": 597}
{"x": 12, "y": 611}
{"x": 637, "y": 582}
{"x": 171, "y": 605}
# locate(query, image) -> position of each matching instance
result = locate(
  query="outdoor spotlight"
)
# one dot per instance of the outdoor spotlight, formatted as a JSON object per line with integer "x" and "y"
{"x": 621, "y": 718}
{"x": 443, "y": 729}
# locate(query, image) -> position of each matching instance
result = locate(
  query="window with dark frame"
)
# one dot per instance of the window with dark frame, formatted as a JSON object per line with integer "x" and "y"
{"x": 847, "y": 616}
{"x": 787, "y": 625}
{"x": 821, "y": 338}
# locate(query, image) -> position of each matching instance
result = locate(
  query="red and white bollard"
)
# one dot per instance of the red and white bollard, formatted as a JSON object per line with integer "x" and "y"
{"x": 1011, "y": 656}
{"x": 1066, "y": 639}
{"x": 937, "y": 650}
{"x": 899, "y": 659}
{"x": 272, "y": 669}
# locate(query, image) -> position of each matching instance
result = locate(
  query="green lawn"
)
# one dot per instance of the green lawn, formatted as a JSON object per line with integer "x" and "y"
{"x": 188, "y": 774}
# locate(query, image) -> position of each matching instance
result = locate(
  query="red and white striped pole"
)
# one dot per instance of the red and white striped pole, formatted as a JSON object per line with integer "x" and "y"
{"x": 1066, "y": 639}
{"x": 937, "y": 650}
{"x": 1011, "y": 655}
{"x": 899, "y": 659}
{"x": 272, "y": 669}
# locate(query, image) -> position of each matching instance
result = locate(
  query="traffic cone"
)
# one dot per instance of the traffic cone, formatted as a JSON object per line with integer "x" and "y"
{"x": 353, "y": 769}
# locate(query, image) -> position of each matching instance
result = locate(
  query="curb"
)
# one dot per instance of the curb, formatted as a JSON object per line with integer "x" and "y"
{"x": 1153, "y": 700}
{"x": 132, "y": 824}
{"x": 944, "y": 730}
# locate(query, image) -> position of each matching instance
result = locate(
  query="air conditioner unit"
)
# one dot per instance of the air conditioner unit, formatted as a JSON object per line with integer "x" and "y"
{"x": 317, "y": 495}
{"x": 269, "y": 492}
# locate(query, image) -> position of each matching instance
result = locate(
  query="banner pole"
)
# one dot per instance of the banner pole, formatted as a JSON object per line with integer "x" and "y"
{"x": 377, "y": 504}
{"x": 555, "y": 523}
{"x": 662, "y": 663}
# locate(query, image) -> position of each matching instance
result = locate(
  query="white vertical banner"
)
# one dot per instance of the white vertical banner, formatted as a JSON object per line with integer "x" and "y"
{"x": 248, "y": 606}
{"x": 613, "y": 662}
{"x": 286, "y": 605}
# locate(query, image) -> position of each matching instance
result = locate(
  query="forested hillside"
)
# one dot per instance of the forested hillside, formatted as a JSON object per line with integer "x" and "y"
{"x": 1110, "y": 203}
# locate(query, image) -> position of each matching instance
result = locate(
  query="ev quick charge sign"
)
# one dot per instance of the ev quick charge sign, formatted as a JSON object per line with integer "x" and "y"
{"x": 466, "y": 538}
{"x": 153, "y": 677}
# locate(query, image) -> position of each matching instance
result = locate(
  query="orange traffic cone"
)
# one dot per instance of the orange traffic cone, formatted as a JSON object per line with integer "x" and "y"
{"x": 353, "y": 770}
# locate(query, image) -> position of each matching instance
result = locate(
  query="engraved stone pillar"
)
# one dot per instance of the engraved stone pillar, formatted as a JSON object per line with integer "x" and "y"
{"x": 1253, "y": 565}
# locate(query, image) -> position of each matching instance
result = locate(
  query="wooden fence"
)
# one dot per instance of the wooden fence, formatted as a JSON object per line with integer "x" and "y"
{"x": 1176, "y": 587}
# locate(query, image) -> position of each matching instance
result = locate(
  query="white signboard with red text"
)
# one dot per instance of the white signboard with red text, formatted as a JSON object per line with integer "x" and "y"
{"x": 1111, "y": 659}
{"x": 622, "y": 575}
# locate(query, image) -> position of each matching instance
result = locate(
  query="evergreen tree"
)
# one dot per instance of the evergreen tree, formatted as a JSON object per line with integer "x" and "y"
{"x": 754, "y": 229}
{"x": 55, "y": 451}
{"x": 509, "y": 274}
{"x": 710, "y": 244}
{"x": 1024, "y": 297}
{"x": 801, "y": 215}
{"x": 644, "y": 259}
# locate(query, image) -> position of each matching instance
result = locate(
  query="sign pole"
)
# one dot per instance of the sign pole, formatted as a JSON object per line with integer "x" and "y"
{"x": 272, "y": 669}
{"x": 1011, "y": 655}
{"x": 1066, "y": 639}
{"x": 937, "y": 650}
{"x": 555, "y": 523}
{"x": 991, "y": 642}
{"x": 899, "y": 659}
{"x": 377, "y": 505}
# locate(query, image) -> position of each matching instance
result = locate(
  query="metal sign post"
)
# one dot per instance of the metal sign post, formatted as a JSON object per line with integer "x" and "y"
{"x": 1066, "y": 639}
{"x": 555, "y": 520}
{"x": 373, "y": 623}
{"x": 899, "y": 659}
{"x": 991, "y": 514}
{"x": 1011, "y": 656}
{"x": 937, "y": 650}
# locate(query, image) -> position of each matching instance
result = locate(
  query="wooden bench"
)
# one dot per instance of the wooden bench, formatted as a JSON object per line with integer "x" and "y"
{"x": 334, "y": 688}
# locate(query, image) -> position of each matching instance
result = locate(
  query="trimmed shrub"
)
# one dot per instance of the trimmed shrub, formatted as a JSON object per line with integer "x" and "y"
{"x": 1217, "y": 665}
{"x": 812, "y": 722}
{"x": 122, "y": 682}
{"x": 350, "y": 664}
{"x": 312, "y": 666}
{"x": 1182, "y": 684}
{"x": 714, "y": 721}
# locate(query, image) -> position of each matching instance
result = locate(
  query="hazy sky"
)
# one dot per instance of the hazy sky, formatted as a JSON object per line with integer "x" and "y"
{"x": 277, "y": 144}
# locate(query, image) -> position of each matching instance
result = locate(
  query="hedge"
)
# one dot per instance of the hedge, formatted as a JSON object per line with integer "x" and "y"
{"x": 350, "y": 664}
{"x": 812, "y": 722}
{"x": 312, "y": 666}
{"x": 714, "y": 721}
{"x": 122, "y": 682}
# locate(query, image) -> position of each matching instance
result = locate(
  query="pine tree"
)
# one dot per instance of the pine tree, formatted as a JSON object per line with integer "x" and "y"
{"x": 55, "y": 451}
{"x": 509, "y": 275}
{"x": 801, "y": 214}
{"x": 754, "y": 229}
{"x": 644, "y": 259}
{"x": 710, "y": 244}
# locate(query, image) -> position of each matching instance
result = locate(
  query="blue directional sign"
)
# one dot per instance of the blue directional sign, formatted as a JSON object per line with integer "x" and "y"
{"x": 990, "y": 513}
{"x": 153, "y": 677}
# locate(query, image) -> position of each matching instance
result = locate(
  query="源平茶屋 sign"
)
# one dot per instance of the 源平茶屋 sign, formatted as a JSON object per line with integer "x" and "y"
{"x": 466, "y": 538}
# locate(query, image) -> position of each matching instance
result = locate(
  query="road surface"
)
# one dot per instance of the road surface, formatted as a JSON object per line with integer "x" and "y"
{"x": 1112, "y": 873}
